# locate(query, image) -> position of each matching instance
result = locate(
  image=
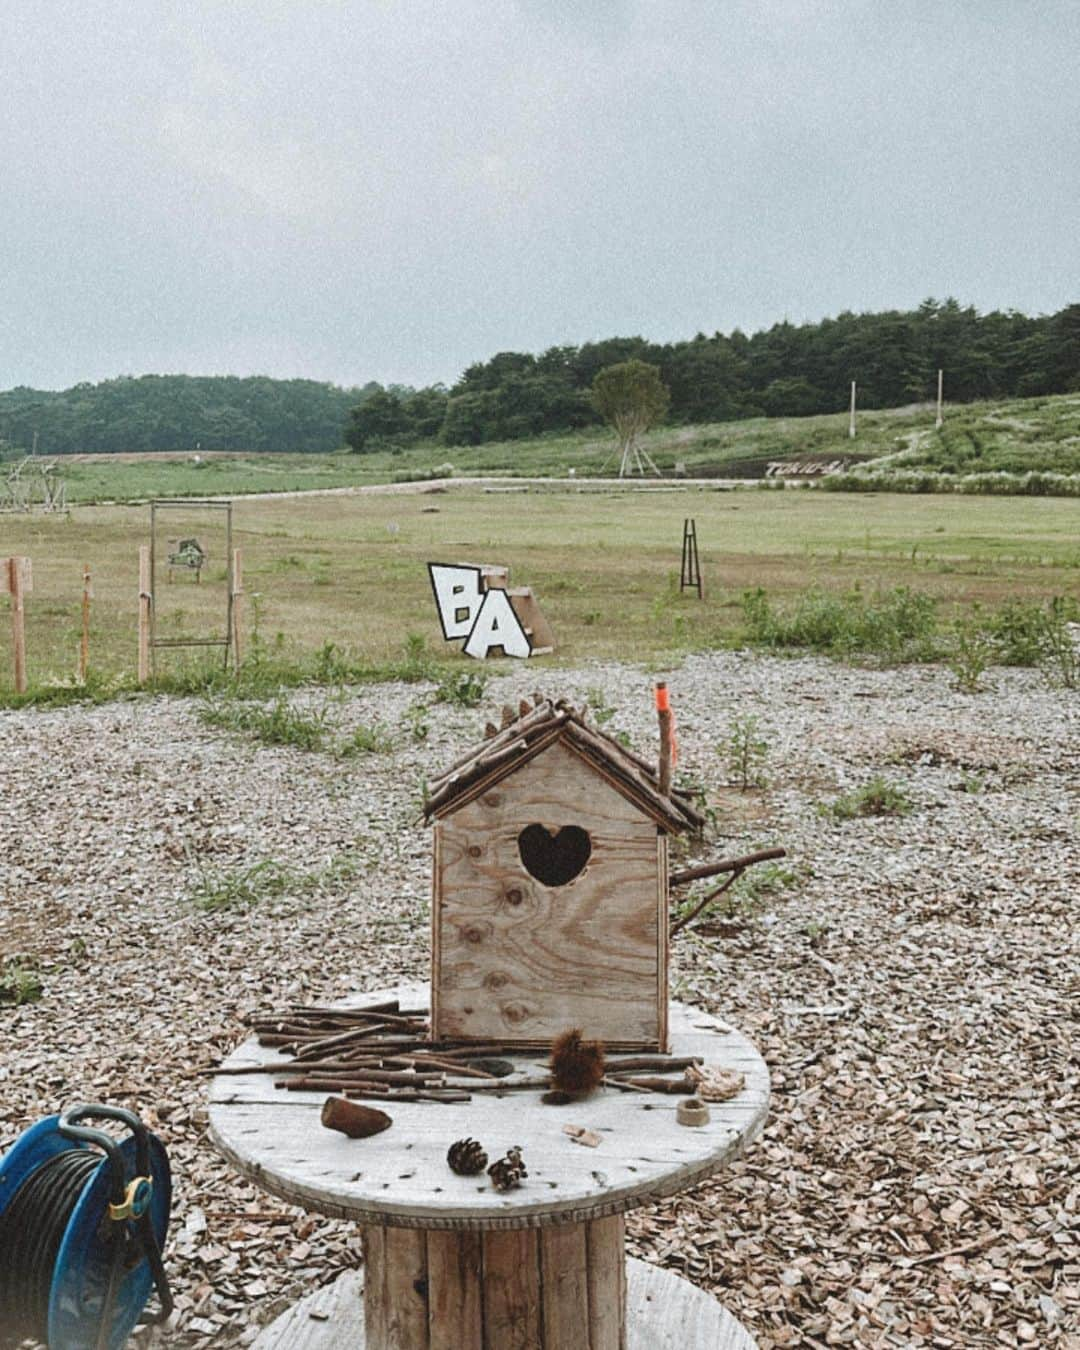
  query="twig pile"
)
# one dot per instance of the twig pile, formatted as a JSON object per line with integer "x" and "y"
{"x": 382, "y": 1051}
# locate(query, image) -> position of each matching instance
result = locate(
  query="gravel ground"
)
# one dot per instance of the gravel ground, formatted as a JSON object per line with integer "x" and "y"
{"x": 914, "y": 989}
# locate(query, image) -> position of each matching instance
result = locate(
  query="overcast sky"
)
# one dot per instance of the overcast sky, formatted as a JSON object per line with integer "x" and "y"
{"x": 353, "y": 189}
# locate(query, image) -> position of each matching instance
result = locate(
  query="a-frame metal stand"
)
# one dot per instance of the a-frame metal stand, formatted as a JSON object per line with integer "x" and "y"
{"x": 690, "y": 578}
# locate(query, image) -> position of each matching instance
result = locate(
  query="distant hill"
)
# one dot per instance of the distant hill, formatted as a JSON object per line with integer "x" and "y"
{"x": 179, "y": 412}
{"x": 786, "y": 371}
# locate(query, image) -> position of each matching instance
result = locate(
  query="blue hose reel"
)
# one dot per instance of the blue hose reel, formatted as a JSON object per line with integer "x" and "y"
{"x": 83, "y": 1217}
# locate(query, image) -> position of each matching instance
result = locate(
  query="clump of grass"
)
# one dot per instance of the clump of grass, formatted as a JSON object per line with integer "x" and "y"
{"x": 221, "y": 890}
{"x": 895, "y": 625}
{"x": 876, "y": 798}
{"x": 20, "y": 982}
{"x": 280, "y": 724}
{"x": 364, "y": 740}
{"x": 463, "y": 688}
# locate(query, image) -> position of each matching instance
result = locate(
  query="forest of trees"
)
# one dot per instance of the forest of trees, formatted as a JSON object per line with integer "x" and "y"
{"x": 179, "y": 412}
{"x": 786, "y": 370}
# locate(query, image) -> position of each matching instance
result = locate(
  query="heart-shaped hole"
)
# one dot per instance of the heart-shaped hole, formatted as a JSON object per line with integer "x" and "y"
{"x": 554, "y": 859}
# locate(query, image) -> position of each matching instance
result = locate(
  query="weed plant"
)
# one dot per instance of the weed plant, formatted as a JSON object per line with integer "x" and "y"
{"x": 876, "y": 798}
{"x": 970, "y": 655}
{"x": 745, "y": 752}
{"x": 20, "y": 982}
{"x": 464, "y": 688}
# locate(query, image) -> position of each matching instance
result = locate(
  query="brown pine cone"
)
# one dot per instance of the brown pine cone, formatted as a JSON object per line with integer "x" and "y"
{"x": 509, "y": 1172}
{"x": 467, "y": 1158}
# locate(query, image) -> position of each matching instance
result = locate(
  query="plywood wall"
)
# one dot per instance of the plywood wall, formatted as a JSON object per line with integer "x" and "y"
{"x": 516, "y": 960}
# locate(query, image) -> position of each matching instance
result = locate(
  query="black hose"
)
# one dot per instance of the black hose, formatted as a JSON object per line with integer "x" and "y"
{"x": 31, "y": 1230}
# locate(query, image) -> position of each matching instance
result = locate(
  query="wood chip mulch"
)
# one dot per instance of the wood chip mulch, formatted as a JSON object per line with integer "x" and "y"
{"x": 913, "y": 981}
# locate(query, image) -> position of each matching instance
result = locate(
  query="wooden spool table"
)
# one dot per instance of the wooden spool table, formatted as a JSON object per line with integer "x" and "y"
{"x": 452, "y": 1264}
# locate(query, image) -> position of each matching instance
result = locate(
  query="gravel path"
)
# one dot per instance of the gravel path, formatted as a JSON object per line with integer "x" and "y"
{"x": 914, "y": 989}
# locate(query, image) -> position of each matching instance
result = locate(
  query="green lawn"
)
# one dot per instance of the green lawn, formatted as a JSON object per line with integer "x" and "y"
{"x": 1018, "y": 435}
{"x": 350, "y": 569}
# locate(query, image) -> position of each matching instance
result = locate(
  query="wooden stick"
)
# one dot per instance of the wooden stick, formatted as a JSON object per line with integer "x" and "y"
{"x": 84, "y": 646}
{"x": 18, "y": 621}
{"x": 638, "y": 1062}
{"x": 144, "y": 613}
{"x": 237, "y": 599}
{"x": 664, "y": 714}
{"x": 725, "y": 865}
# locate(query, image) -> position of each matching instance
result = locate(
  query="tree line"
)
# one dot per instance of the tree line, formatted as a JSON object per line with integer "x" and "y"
{"x": 788, "y": 370}
{"x": 179, "y": 412}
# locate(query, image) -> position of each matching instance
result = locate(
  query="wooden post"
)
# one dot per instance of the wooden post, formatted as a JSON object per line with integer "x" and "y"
{"x": 940, "y": 390}
{"x": 16, "y": 571}
{"x": 562, "y": 1287}
{"x": 851, "y": 421}
{"x": 663, "y": 712}
{"x": 144, "y": 613}
{"x": 237, "y": 606}
{"x": 84, "y": 645}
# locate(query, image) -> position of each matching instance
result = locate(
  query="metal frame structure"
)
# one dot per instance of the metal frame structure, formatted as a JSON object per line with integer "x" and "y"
{"x": 188, "y": 503}
{"x": 690, "y": 576}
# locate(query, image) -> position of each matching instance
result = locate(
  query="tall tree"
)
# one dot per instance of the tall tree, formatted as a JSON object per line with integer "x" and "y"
{"x": 632, "y": 397}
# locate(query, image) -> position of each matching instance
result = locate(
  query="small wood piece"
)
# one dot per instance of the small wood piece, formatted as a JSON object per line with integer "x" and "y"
{"x": 358, "y": 1122}
{"x": 580, "y": 1135}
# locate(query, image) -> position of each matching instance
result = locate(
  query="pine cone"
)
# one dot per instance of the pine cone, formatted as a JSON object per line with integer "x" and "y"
{"x": 467, "y": 1158}
{"x": 509, "y": 1172}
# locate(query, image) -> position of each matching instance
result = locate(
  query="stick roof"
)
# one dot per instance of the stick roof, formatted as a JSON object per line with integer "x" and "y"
{"x": 536, "y": 726}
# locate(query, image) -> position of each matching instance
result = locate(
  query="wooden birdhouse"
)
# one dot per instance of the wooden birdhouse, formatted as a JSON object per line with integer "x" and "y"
{"x": 550, "y": 887}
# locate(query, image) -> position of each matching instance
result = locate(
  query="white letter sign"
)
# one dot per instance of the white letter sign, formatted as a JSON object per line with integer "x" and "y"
{"x": 485, "y": 619}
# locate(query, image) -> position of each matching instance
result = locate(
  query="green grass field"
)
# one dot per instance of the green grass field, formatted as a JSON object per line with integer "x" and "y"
{"x": 605, "y": 565}
{"x": 1018, "y": 435}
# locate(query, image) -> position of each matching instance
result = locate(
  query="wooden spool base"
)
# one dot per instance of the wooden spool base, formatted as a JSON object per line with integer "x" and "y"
{"x": 663, "y": 1312}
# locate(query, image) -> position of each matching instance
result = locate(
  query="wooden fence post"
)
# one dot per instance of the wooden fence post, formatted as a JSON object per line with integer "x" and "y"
{"x": 237, "y": 606}
{"x": 144, "y": 613}
{"x": 84, "y": 646}
{"x": 17, "y": 577}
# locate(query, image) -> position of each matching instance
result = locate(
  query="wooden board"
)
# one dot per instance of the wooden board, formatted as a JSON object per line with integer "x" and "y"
{"x": 664, "y": 1312}
{"x": 516, "y": 960}
{"x": 401, "y": 1178}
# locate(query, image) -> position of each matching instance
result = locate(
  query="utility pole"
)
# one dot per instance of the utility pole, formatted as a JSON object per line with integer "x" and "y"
{"x": 940, "y": 387}
{"x": 851, "y": 422}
